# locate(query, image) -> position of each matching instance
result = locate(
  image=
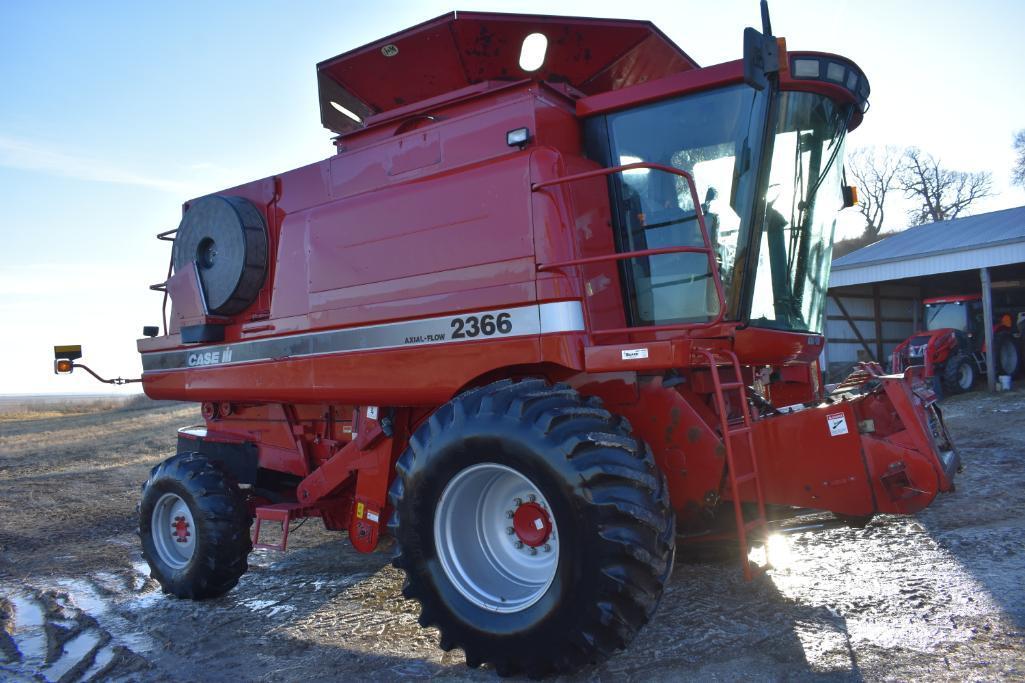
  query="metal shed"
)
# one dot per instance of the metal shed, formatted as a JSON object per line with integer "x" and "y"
{"x": 876, "y": 292}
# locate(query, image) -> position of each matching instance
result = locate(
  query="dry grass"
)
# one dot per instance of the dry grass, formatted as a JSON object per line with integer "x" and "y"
{"x": 44, "y": 408}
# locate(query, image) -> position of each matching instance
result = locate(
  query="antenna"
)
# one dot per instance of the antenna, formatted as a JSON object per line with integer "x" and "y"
{"x": 766, "y": 24}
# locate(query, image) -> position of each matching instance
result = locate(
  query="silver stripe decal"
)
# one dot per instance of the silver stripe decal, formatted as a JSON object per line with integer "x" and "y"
{"x": 521, "y": 321}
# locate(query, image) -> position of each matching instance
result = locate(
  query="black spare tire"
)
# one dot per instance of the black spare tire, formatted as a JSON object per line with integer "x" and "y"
{"x": 227, "y": 238}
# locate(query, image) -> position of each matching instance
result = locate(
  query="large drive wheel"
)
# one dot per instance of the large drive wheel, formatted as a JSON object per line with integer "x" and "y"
{"x": 194, "y": 525}
{"x": 1006, "y": 355}
{"x": 958, "y": 374}
{"x": 535, "y": 531}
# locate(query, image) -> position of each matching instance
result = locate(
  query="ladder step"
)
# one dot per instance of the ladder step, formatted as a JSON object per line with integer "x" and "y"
{"x": 738, "y": 431}
{"x": 282, "y": 513}
{"x": 744, "y": 478}
{"x": 731, "y": 385}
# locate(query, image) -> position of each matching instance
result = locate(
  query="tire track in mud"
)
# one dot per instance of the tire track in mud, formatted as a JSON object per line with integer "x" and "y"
{"x": 48, "y": 636}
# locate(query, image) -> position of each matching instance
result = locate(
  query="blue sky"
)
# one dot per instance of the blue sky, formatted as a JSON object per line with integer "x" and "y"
{"x": 113, "y": 114}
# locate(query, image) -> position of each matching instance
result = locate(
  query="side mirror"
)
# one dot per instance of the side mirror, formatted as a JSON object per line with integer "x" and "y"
{"x": 761, "y": 58}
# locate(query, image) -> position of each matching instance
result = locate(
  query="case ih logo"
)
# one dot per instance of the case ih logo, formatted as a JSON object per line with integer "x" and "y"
{"x": 209, "y": 358}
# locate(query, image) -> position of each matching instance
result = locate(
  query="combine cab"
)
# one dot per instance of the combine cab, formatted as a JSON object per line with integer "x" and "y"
{"x": 551, "y": 312}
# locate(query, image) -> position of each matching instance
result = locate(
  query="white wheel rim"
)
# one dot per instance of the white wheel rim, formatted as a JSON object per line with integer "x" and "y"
{"x": 482, "y": 554}
{"x": 173, "y": 530}
{"x": 965, "y": 377}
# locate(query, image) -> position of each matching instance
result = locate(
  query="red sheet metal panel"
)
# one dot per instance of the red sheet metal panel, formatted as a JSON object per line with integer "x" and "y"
{"x": 461, "y": 49}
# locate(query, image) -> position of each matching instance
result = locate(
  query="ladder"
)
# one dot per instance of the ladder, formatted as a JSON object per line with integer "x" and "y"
{"x": 742, "y": 468}
{"x": 282, "y": 513}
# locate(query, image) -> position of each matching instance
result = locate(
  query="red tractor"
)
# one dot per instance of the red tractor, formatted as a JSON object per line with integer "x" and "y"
{"x": 952, "y": 347}
{"x": 551, "y": 311}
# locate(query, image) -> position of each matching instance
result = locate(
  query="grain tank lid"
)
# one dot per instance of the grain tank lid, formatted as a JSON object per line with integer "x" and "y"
{"x": 460, "y": 49}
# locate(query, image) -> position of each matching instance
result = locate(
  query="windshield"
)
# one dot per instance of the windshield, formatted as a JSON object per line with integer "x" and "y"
{"x": 940, "y": 316}
{"x": 714, "y": 136}
{"x": 801, "y": 205}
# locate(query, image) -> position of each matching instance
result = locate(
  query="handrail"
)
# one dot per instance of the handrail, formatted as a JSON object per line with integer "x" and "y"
{"x": 165, "y": 236}
{"x": 623, "y": 255}
{"x": 619, "y": 256}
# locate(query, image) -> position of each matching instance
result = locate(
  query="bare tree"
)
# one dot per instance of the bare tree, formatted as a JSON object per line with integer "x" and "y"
{"x": 943, "y": 194}
{"x": 1018, "y": 172}
{"x": 875, "y": 169}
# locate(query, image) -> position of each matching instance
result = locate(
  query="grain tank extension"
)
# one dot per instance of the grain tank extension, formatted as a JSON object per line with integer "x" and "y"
{"x": 549, "y": 314}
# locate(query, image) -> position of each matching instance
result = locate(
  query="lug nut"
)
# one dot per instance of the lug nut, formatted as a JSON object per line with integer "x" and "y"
{"x": 532, "y": 498}
{"x": 518, "y": 501}
{"x": 548, "y": 548}
{"x": 519, "y": 544}
{"x": 533, "y": 551}
{"x": 509, "y": 514}
{"x": 509, "y": 530}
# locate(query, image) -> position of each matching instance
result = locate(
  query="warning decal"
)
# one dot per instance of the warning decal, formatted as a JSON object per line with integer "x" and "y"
{"x": 837, "y": 424}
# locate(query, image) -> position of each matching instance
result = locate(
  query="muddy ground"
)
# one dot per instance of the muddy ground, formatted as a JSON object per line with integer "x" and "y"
{"x": 937, "y": 596}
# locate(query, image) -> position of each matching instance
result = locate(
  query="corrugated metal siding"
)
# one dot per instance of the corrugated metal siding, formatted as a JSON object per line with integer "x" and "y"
{"x": 895, "y": 302}
{"x": 968, "y": 259}
{"x": 986, "y": 229}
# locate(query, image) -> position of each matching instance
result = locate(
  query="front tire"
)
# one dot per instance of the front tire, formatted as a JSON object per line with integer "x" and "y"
{"x": 592, "y": 537}
{"x": 194, "y": 526}
{"x": 958, "y": 374}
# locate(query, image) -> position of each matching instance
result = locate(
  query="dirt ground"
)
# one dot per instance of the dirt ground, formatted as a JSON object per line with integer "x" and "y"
{"x": 937, "y": 596}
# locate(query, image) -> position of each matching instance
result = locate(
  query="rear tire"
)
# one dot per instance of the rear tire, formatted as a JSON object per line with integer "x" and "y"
{"x": 194, "y": 525}
{"x": 610, "y": 528}
{"x": 1007, "y": 358}
{"x": 959, "y": 374}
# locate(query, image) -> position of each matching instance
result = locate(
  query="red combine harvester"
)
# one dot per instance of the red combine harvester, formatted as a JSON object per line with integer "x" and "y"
{"x": 952, "y": 347}
{"x": 552, "y": 310}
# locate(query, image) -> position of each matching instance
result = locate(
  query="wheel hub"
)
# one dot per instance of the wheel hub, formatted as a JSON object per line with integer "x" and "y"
{"x": 173, "y": 531}
{"x": 180, "y": 529}
{"x": 531, "y": 524}
{"x": 496, "y": 537}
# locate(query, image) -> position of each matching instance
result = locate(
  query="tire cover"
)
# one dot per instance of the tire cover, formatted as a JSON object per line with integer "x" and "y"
{"x": 227, "y": 238}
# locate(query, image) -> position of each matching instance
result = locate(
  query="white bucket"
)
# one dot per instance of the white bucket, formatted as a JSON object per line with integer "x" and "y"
{"x": 1005, "y": 382}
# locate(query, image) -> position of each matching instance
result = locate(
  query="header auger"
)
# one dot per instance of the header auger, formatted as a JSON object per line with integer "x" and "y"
{"x": 544, "y": 327}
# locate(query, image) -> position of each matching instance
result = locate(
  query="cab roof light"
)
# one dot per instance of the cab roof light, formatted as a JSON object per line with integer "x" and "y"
{"x": 517, "y": 137}
{"x": 352, "y": 115}
{"x": 533, "y": 51}
{"x": 806, "y": 68}
{"x": 837, "y": 72}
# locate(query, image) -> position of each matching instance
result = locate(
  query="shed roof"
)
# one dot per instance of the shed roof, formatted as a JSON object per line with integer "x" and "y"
{"x": 985, "y": 240}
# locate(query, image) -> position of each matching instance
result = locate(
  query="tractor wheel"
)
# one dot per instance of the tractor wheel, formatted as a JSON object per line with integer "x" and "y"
{"x": 535, "y": 531}
{"x": 194, "y": 524}
{"x": 1006, "y": 355}
{"x": 958, "y": 374}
